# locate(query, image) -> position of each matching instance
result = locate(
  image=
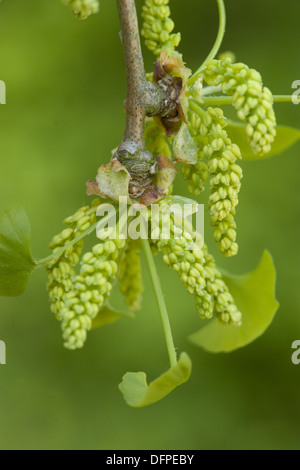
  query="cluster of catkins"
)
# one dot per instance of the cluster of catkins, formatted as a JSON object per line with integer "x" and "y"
{"x": 217, "y": 155}
{"x": 80, "y": 286}
{"x": 78, "y": 296}
{"x": 185, "y": 252}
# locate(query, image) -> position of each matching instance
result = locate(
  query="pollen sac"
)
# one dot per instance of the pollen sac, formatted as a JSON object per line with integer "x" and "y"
{"x": 83, "y": 8}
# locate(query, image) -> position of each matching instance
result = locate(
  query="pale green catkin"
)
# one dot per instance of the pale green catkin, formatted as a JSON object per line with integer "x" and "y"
{"x": 253, "y": 101}
{"x": 226, "y": 175}
{"x": 92, "y": 287}
{"x": 158, "y": 26}
{"x": 76, "y": 299}
{"x": 187, "y": 264}
{"x": 83, "y": 8}
{"x": 196, "y": 269}
{"x": 130, "y": 275}
{"x": 219, "y": 298}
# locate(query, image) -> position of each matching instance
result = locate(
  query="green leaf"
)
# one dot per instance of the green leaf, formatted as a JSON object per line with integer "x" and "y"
{"x": 109, "y": 315}
{"x": 254, "y": 294}
{"x": 16, "y": 261}
{"x": 286, "y": 137}
{"x": 138, "y": 393}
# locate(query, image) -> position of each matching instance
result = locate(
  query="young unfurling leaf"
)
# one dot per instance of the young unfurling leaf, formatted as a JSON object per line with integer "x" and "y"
{"x": 16, "y": 261}
{"x": 254, "y": 294}
{"x": 113, "y": 180}
{"x": 185, "y": 147}
{"x": 137, "y": 393}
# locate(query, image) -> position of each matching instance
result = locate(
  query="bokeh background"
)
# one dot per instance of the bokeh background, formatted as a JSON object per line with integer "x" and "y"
{"x": 64, "y": 113}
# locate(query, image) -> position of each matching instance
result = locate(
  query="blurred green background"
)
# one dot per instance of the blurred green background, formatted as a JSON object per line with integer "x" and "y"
{"x": 65, "y": 90}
